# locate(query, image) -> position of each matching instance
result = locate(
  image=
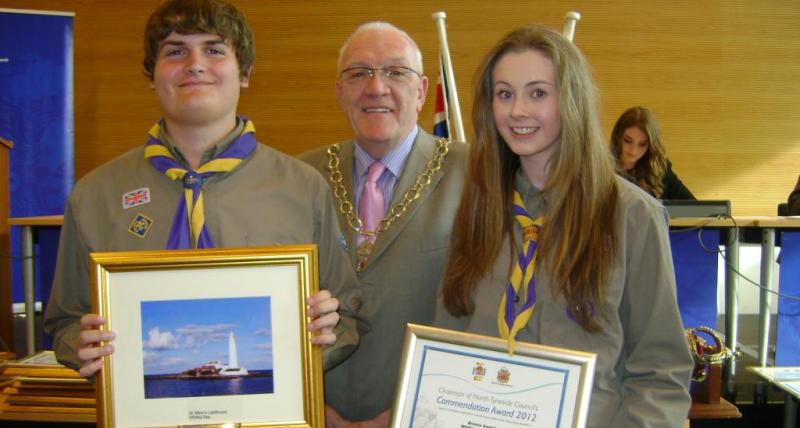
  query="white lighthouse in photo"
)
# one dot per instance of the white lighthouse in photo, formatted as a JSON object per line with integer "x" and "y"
{"x": 215, "y": 368}
{"x": 232, "y": 368}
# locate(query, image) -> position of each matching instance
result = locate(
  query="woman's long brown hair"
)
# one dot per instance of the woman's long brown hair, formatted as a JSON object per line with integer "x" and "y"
{"x": 578, "y": 241}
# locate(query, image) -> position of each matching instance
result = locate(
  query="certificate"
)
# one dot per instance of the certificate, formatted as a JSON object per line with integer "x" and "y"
{"x": 454, "y": 379}
{"x": 208, "y": 337}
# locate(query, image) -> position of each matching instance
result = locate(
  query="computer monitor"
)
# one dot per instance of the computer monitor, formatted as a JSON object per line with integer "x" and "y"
{"x": 697, "y": 208}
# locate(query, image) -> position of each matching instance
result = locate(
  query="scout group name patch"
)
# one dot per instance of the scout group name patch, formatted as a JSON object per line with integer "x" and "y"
{"x": 140, "y": 225}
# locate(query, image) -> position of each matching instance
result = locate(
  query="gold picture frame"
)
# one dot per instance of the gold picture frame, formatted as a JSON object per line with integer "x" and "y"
{"x": 172, "y": 309}
{"x": 451, "y": 378}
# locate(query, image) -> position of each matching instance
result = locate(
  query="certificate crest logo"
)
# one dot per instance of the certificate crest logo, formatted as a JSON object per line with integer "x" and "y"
{"x": 479, "y": 371}
{"x": 503, "y": 375}
{"x": 140, "y": 225}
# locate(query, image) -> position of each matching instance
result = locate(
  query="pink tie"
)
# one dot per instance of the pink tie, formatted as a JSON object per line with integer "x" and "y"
{"x": 371, "y": 208}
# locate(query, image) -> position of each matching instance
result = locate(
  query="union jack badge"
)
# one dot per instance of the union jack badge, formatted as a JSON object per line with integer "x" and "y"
{"x": 135, "y": 198}
{"x": 140, "y": 225}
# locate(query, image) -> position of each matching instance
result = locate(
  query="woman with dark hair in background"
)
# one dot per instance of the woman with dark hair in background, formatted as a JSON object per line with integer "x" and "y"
{"x": 641, "y": 158}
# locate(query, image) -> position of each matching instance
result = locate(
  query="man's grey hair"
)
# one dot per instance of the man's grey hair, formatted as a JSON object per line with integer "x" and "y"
{"x": 379, "y": 25}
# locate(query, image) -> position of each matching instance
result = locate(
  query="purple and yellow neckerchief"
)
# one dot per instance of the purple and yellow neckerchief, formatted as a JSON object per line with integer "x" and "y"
{"x": 521, "y": 284}
{"x": 188, "y": 226}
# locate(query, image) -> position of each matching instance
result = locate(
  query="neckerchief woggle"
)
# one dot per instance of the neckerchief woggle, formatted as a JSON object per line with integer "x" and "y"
{"x": 521, "y": 284}
{"x": 188, "y": 227}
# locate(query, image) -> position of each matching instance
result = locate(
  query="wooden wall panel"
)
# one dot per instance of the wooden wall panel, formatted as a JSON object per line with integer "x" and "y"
{"x": 721, "y": 76}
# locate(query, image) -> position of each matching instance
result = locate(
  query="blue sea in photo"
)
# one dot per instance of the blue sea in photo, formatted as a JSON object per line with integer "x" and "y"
{"x": 170, "y": 386}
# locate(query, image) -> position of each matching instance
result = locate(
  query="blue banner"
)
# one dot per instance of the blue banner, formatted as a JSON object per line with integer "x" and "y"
{"x": 787, "y": 345}
{"x": 696, "y": 275}
{"x": 36, "y": 113}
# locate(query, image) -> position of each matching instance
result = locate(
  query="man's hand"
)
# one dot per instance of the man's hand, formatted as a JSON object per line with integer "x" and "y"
{"x": 334, "y": 420}
{"x": 322, "y": 309}
{"x": 89, "y": 353}
{"x": 380, "y": 421}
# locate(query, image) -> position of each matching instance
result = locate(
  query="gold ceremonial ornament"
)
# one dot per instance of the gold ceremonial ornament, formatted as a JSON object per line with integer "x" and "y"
{"x": 704, "y": 353}
{"x": 395, "y": 212}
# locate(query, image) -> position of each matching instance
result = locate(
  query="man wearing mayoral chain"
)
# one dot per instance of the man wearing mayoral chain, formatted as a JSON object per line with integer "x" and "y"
{"x": 200, "y": 179}
{"x": 397, "y": 189}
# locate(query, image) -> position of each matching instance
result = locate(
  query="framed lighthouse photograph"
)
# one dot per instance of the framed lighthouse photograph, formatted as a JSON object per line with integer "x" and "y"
{"x": 208, "y": 337}
{"x": 199, "y": 340}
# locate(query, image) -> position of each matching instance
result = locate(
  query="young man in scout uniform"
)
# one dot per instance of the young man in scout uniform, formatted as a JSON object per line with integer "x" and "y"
{"x": 198, "y": 56}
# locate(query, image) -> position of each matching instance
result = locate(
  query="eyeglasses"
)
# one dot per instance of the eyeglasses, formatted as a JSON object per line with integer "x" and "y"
{"x": 393, "y": 74}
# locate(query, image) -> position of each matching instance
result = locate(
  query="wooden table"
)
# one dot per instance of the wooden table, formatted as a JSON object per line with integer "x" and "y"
{"x": 722, "y": 410}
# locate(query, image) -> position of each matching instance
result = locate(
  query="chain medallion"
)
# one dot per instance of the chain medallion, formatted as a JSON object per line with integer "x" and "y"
{"x": 395, "y": 212}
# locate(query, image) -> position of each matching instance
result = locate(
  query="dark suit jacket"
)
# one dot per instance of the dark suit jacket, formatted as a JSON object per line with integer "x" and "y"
{"x": 794, "y": 199}
{"x": 673, "y": 186}
{"x": 401, "y": 279}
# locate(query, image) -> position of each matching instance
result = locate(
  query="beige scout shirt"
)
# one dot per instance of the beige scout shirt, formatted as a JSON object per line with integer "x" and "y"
{"x": 270, "y": 199}
{"x": 643, "y": 362}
